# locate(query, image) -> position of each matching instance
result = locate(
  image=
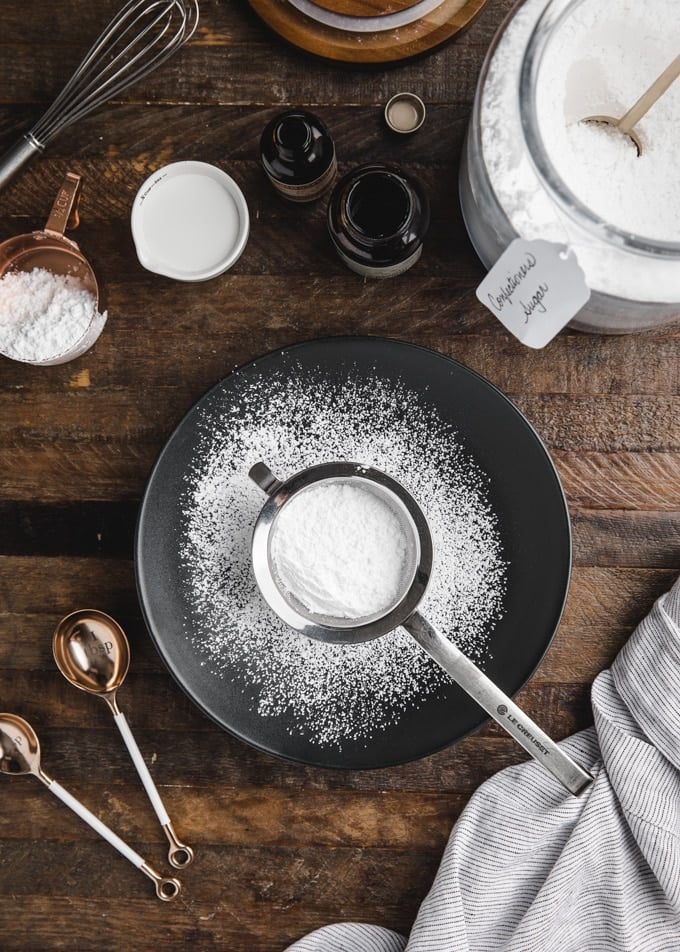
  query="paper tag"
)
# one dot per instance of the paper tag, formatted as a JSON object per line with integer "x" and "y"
{"x": 534, "y": 289}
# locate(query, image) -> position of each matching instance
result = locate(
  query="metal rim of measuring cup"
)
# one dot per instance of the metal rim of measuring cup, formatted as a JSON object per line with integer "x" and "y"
{"x": 308, "y": 623}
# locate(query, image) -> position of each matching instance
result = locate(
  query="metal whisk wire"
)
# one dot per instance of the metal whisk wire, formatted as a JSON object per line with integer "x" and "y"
{"x": 136, "y": 32}
{"x": 140, "y": 37}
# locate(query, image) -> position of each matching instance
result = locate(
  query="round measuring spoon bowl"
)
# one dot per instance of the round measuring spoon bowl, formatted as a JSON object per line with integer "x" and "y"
{"x": 612, "y": 123}
{"x": 19, "y": 746}
{"x": 626, "y": 124}
{"x": 93, "y": 653}
{"x": 50, "y": 251}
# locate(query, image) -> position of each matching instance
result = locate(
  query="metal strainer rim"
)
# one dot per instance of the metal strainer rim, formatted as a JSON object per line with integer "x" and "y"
{"x": 316, "y": 626}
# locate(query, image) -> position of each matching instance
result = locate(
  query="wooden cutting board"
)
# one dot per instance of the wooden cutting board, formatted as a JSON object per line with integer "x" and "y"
{"x": 342, "y": 31}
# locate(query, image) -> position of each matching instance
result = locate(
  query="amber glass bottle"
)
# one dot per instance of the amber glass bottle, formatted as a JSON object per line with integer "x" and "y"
{"x": 298, "y": 155}
{"x": 377, "y": 219}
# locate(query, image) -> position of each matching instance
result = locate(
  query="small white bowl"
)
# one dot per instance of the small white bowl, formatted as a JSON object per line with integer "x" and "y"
{"x": 189, "y": 221}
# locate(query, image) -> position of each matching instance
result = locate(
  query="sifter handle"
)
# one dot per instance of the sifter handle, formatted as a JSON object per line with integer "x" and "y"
{"x": 496, "y": 703}
{"x": 261, "y": 474}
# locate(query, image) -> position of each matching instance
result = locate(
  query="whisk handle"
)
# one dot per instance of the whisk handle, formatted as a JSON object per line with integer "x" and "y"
{"x": 15, "y": 158}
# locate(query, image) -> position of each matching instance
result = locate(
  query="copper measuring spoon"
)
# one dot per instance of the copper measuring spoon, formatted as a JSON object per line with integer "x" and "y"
{"x": 93, "y": 653}
{"x": 627, "y": 122}
{"x": 20, "y": 754}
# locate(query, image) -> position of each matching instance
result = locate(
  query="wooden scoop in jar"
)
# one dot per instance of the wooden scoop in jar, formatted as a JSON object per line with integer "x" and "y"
{"x": 628, "y": 121}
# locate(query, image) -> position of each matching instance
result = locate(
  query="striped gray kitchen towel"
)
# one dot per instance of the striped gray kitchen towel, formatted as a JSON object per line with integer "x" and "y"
{"x": 529, "y": 868}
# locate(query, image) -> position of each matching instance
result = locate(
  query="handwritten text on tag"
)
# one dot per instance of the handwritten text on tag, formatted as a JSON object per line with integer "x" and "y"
{"x": 534, "y": 289}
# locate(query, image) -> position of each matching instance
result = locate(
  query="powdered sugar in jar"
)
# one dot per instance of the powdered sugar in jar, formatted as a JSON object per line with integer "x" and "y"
{"x": 531, "y": 168}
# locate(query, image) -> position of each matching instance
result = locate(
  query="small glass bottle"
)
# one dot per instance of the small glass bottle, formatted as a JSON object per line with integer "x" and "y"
{"x": 377, "y": 219}
{"x": 298, "y": 155}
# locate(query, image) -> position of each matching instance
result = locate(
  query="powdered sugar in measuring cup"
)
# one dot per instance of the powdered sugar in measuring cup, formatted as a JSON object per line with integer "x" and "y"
{"x": 46, "y": 317}
{"x": 48, "y": 291}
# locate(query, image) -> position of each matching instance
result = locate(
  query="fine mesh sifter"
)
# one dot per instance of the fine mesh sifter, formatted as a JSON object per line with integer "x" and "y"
{"x": 417, "y": 567}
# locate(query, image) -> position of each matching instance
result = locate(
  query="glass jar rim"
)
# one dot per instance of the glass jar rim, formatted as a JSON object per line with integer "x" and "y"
{"x": 551, "y": 18}
{"x": 353, "y": 203}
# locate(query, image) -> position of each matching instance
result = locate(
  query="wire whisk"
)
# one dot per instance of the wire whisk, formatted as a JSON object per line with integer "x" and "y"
{"x": 140, "y": 37}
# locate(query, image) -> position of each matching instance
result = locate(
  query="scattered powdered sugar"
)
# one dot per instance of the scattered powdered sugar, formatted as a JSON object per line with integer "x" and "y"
{"x": 43, "y": 315}
{"x": 332, "y": 694}
{"x": 341, "y": 551}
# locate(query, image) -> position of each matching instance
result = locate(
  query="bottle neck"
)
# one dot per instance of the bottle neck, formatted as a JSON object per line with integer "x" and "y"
{"x": 293, "y": 137}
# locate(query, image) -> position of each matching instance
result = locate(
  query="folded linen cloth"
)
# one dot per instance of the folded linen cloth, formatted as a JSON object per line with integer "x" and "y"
{"x": 529, "y": 868}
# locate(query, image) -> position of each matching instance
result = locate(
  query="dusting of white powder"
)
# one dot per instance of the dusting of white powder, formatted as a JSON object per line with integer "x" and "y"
{"x": 341, "y": 551}
{"x": 42, "y": 315}
{"x": 332, "y": 694}
{"x": 599, "y": 61}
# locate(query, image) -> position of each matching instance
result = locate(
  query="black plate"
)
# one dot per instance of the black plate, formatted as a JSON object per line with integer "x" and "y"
{"x": 525, "y": 493}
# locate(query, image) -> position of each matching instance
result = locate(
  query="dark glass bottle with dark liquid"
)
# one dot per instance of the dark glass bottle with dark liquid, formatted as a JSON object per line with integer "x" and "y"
{"x": 377, "y": 219}
{"x": 298, "y": 155}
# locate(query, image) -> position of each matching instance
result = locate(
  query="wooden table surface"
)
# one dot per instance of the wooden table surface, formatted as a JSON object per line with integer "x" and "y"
{"x": 281, "y": 849}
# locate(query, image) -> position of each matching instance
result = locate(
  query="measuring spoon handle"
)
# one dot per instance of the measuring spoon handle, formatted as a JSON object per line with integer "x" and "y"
{"x": 650, "y": 96}
{"x": 179, "y": 854}
{"x": 166, "y": 889}
{"x": 496, "y": 703}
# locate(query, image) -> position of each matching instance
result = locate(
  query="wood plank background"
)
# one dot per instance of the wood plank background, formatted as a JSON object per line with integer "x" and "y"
{"x": 281, "y": 849}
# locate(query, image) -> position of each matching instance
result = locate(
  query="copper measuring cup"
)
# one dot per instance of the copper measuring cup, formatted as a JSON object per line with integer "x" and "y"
{"x": 51, "y": 250}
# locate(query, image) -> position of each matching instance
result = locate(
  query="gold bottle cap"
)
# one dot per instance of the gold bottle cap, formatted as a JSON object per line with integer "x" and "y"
{"x": 405, "y": 112}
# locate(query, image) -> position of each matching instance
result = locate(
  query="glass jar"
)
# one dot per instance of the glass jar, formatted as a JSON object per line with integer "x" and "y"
{"x": 510, "y": 185}
{"x": 377, "y": 219}
{"x": 298, "y": 155}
